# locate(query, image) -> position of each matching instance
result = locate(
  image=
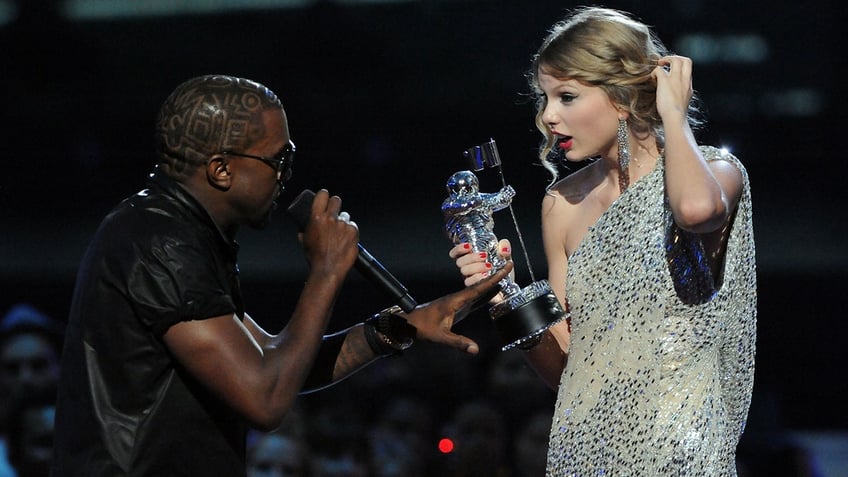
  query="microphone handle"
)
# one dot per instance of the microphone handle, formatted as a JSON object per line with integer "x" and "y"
{"x": 371, "y": 269}
{"x": 367, "y": 265}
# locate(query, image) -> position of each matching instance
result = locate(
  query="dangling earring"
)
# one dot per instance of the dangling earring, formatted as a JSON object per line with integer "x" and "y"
{"x": 623, "y": 156}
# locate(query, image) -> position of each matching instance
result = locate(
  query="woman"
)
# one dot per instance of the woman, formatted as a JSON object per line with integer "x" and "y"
{"x": 651, "y": 248}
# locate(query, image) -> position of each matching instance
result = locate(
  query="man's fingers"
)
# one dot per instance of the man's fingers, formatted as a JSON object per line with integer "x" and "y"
{"x": 479, "y": 293}
{"x": 334, "y": 206}
{"x": 319, "y": 202}
{"x": 465, "y": 344}
{"x": 326, "y": 203}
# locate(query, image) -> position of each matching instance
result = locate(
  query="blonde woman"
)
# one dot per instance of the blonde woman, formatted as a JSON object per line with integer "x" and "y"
{"x": 651, "y": 247}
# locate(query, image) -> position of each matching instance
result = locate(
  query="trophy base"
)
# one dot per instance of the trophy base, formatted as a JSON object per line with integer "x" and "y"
{"x": 525, "y": 315}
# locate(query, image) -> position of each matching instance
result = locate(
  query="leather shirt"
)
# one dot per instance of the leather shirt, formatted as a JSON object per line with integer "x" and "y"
{"x": 125, "y": 406}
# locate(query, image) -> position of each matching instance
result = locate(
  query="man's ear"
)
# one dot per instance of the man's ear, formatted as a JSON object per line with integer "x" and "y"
{"x": 218, "y": 172}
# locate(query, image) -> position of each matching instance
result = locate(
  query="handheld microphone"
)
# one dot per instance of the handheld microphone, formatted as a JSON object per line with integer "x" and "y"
{"x": 367, "y": 265}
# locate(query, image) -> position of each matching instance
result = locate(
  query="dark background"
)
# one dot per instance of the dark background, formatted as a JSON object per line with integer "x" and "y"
{"x": 382, "y": 100}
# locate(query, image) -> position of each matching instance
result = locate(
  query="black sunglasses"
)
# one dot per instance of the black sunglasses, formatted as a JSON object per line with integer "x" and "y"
{"x": 283, "y": 163}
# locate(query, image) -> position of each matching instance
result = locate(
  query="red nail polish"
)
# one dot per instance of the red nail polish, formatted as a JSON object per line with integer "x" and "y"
{"x": 483, "y": 254}
{"x": 488, "y": 265}
{"x": 505, "y": 250}
{"x": 466, "y": 246}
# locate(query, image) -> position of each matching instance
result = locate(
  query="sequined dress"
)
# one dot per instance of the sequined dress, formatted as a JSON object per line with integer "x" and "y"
{"x": 654, "y": 386}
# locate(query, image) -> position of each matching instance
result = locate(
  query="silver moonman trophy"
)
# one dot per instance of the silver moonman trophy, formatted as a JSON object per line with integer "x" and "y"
{"x": 525, "y": 313}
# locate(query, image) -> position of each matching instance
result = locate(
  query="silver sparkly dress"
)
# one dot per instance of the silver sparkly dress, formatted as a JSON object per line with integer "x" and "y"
{"x": 655, "y": 385}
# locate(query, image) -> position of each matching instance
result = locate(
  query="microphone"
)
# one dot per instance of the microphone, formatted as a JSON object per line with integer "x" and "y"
{"x": 367, "y": 265}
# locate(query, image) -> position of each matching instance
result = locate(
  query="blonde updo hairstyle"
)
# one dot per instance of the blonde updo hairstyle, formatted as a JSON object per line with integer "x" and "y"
{"x": 608, "y": 49}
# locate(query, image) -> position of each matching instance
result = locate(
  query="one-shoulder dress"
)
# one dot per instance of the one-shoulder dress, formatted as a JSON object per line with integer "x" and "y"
{"x": 660, "y": 370}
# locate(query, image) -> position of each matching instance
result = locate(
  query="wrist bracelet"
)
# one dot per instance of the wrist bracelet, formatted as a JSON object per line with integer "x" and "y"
{"x": 388, "y": 333}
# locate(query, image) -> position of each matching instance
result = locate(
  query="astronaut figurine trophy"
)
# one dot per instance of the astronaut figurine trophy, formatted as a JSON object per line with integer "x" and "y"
{"x": 525, "y": 313}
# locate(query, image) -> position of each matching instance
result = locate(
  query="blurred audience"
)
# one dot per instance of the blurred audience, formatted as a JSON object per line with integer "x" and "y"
{"x": 30, "y": 345}
{"x": 282, "y": 453}
{"x": 530, "y": 447}
{"x": 775, "y": 455}
{"x": 278, "y": 454}
{"x": 336, "y": 436}
{"x": 31, "y": 429}
{"x": 480, "y": 442}
{"x": 516, "y": 389}
{"x": 402, "y": 441}
{"x": 383, "y": 423}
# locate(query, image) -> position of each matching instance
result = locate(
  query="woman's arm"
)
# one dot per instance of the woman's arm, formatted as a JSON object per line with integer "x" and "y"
{"x": 548, "y": 358}
{"x": 702, "y": 195}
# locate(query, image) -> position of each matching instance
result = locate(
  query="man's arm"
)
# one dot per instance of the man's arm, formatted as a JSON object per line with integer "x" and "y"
{"x": 261, "y": 379}
{"x": 260, "y": 375}
{"x": 348, "y": 351}
{"x": 262, "y": 382}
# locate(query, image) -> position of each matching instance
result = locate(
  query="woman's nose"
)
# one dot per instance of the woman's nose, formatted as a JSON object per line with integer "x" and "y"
{"x": 549, "y": 117}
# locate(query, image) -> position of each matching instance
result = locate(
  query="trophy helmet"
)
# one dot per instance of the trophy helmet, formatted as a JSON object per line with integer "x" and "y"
{"x": 463, "y": 182}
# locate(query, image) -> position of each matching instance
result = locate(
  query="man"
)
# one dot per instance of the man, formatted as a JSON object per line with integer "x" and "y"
{"x": 30, "y": 342}
{"x": 162, "y": 369}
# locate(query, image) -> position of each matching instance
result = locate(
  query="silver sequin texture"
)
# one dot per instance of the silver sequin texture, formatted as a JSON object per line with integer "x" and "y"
{"x": 653, "y": 386}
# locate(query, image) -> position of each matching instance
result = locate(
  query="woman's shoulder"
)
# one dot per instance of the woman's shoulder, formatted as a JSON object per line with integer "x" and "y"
{"x": 722, "y": 157}
{"x": 713, "y": 153}
{"x": 574, "y": 187}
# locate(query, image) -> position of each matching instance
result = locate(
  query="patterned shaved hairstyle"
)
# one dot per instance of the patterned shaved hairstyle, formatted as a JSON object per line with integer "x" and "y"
{"x": 210, "y": 114}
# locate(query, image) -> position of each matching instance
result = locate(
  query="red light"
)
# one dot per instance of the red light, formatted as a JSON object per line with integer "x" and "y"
{"x": 445, "y": 445}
